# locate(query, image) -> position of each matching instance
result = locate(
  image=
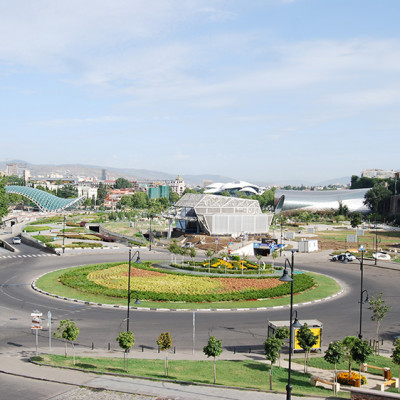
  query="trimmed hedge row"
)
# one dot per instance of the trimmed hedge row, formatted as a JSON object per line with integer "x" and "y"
{"x": 77, "y": 279}
{"x": 221, "y": 271}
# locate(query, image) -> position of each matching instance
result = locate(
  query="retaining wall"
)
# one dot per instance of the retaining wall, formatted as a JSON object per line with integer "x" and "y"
{"x": 368, "y": 394}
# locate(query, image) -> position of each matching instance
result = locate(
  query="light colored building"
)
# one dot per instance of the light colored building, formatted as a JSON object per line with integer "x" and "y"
{"x": 88, "y": 192}
{"x": 233, "y": 188}
{"x": 324, "y": 200}
{"x": 178, "y": 185}
{"x": 220, "y": 215}
{"x": 378, "y": 173}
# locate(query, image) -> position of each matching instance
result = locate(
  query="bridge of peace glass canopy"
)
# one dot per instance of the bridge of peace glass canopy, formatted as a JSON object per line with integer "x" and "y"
{"x": 45, "y": 201}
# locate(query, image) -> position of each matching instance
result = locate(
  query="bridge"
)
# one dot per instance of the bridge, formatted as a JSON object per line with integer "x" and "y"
{"x": 45, "y": 201}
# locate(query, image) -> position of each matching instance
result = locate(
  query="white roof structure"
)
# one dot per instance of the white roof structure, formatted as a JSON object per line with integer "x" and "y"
{"x": 221, "y": 215}
{"x": 237, "y": 186}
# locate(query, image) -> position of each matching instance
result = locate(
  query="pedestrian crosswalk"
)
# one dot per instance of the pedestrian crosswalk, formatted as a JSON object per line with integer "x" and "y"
{"x": 29, "y": 255}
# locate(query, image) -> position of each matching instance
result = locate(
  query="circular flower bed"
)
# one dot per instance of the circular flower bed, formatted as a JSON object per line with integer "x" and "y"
{"x": 158, "y": 285}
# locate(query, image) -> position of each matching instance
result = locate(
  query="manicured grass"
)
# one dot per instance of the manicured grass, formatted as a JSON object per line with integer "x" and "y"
{"x": 325, "y": 286}
{"x": 245, "y": 374}
{"x": 38, "y": 228}
{"x": 377, "y": 361}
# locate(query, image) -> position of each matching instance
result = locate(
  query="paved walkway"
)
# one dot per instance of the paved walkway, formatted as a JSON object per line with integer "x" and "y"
{"x": 82, "y": 384}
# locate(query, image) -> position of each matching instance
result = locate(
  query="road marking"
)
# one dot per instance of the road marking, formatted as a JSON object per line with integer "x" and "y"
{"x": 24, "y": 255}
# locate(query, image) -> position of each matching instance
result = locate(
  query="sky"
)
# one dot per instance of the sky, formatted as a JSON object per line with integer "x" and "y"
{"x": 269, "y": 90}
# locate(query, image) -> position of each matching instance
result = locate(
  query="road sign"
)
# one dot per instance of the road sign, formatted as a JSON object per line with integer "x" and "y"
{"x": 36, "y": 320}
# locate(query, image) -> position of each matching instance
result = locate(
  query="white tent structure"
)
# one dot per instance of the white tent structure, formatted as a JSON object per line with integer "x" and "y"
{"x": 220, "y": 215}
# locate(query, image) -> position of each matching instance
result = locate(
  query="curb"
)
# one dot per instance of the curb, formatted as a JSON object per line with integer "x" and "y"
{"x": 34, "y": 287}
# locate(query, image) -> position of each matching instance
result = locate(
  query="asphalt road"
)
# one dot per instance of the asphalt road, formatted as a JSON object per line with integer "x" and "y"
{"x": 242, "y": 329}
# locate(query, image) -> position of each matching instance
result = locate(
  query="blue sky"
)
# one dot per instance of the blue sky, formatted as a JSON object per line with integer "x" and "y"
{"x": 271, "y": 90}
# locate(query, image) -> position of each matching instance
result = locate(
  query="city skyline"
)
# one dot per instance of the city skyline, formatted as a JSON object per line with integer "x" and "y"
{"x": 269, "y": 91}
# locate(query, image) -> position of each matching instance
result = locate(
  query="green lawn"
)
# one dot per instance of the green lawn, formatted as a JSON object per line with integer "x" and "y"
{"x": 325, "y": 287}
{"x": 244, "y": 374}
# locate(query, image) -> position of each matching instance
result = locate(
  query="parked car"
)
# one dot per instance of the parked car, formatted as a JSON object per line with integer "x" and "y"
{"x": 345, "y": 257}
{"x": 381, "y": 256}
{"x": 16, "y": 240}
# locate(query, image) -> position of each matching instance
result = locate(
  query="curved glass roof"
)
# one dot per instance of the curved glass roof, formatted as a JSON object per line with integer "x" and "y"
{"x": 45, "y": 201}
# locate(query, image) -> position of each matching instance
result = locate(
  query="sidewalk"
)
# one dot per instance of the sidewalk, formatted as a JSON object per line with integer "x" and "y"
{"x": 18, "y": 364}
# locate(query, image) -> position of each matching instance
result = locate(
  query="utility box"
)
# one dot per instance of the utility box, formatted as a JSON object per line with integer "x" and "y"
{"x": 308, "y": 246}
{"x": 289, "y": 235}
{"x": 314, "y": 325}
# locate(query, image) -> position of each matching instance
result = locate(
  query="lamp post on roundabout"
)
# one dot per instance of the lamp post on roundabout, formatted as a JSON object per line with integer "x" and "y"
{"x": 293, "y": 324}
{"x": 362, "y": 291}
{"x": 138, "y": 261}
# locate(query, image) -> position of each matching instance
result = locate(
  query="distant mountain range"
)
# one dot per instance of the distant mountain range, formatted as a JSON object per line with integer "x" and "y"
{"x": 144, "y": 174}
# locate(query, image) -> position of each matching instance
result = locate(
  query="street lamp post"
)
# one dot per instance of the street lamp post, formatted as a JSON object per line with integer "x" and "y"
{"x": 138, "y": 261}
{"x": 286, "y": 278}
{"x": 362, "y": 291}
{"x": 63, "y": 244}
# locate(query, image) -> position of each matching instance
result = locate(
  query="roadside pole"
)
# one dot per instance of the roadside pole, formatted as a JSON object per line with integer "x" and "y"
{"x": 49, "y": 326}
{"x": 36, "y": 325}
{"x": 194, "y": 330}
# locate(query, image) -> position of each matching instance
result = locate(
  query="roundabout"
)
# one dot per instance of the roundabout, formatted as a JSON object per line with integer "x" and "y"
{"x": 99, "y": 325}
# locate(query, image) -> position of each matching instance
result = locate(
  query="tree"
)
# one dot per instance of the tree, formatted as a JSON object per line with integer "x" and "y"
{"x": 360, "y": 351}
{"x": 173, "y": 197}
{"x": 68, "y": 331}
{"x": 126, "y": 340}
{"x": 396, "y": 354}
{"x": 165, "y": 342}
{"x": 282, "y": 333}
{"x": 225, "y": 193}
{"x": 272, "y": 348}
{"x": 67, "y": 192}
{"x": 3, "y": 202}
{"x": 213, "y": 349}
{"x": 101, "y": 193}
{"x": 192, "y": 253}
{"x": 209, "y": 254}
{"x": 267, "y": 199}
{"x": 375, "y": 198}
{"x": 173, "y": 248}
{"x": 334, "y": 355}
{"x": 306, "y": 341}
{"x": 140, "y": 200}
{"x": 379, "y": 309}
{"x": 348, "y": 344}
{"x": 355, "y": 219}
{"x": 122, "y": 183}
{"x": 87, "y": 203}
{"x": 275, "y": 255}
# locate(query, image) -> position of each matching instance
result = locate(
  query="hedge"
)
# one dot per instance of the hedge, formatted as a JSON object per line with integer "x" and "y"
{"x": 77, "y": 279}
